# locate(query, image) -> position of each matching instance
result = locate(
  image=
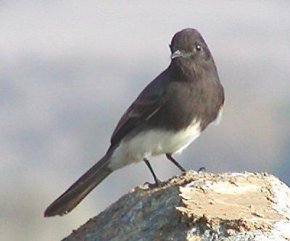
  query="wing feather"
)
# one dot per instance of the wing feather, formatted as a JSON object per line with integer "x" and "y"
{"x": 147, "y": 104}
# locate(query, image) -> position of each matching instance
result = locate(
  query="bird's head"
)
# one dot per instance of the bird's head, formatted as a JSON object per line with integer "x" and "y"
{"x": 189, "y": 48}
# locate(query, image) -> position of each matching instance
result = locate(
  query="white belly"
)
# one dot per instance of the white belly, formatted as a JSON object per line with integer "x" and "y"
{"x": 152, "y": 143}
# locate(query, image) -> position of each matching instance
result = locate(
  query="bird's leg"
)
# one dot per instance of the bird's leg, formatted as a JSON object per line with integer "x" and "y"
{"x": 169, "y": 157}
{"x": 157, "y": 181}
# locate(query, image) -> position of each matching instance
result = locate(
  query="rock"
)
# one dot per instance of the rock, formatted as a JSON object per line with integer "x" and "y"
{"x": 197, "y": 206}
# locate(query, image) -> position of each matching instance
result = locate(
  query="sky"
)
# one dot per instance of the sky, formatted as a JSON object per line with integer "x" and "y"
{"x": 69, "y": 69}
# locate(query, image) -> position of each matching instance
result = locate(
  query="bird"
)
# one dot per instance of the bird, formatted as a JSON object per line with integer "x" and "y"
{"x": 168, "y": 115}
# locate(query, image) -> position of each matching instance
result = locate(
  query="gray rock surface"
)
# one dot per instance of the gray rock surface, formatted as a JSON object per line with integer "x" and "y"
{"x": 197, "y": 206}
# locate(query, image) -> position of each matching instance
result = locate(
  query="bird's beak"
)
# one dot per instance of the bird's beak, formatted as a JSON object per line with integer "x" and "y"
{"x": 176, "y": 54}
{"x": 179, "y": 53}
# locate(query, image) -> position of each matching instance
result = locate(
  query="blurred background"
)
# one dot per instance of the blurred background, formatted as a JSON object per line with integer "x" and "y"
{"x": 69, "y": 69}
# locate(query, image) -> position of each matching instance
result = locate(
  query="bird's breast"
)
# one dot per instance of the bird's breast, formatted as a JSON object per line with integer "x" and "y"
{"x": 153, "y": 142}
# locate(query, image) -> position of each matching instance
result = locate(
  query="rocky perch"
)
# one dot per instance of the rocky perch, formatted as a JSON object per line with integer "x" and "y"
{"x": 197, "y": 206}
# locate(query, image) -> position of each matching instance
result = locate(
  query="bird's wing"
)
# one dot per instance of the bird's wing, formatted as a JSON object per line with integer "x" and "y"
{"x": 147, "y": 104}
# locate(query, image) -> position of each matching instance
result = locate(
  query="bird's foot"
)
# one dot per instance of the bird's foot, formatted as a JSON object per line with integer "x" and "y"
{"x": 201, "y": 169}
{"x": 158, "y": 183}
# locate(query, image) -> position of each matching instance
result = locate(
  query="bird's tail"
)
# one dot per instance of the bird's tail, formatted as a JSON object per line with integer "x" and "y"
{"x": 80, "y": 189}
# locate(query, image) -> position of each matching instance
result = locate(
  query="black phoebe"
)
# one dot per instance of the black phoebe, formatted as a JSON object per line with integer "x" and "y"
{"x": 166, "y": 117}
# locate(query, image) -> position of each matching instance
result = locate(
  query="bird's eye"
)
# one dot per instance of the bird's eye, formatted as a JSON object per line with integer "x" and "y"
{"x": 197, "y": 47}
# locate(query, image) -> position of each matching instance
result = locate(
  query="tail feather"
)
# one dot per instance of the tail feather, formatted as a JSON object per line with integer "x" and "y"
{"x": 80, "y": 189}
